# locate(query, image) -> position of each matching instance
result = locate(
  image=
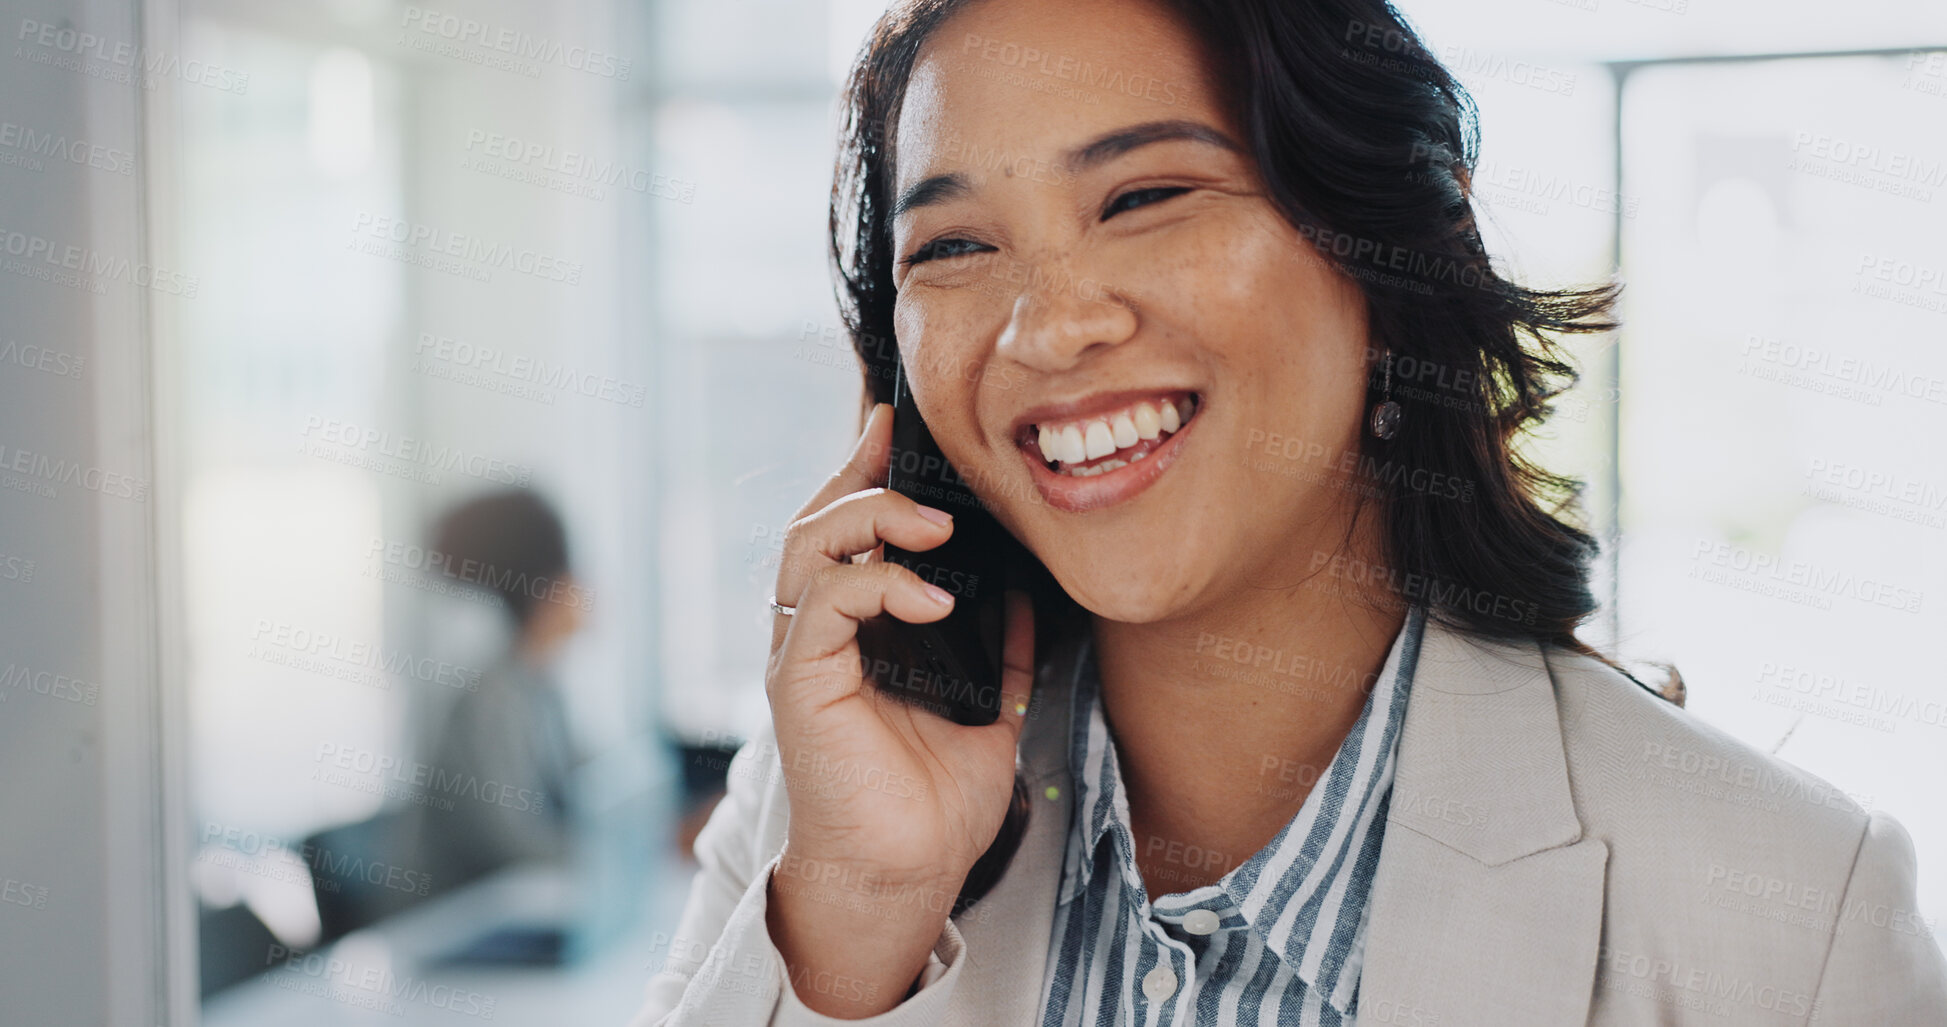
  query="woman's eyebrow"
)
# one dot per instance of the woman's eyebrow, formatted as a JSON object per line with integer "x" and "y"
{"x": 932, "y": 189}
{"x": 1114, "y": 144}
{"x": 1103, "y": 148}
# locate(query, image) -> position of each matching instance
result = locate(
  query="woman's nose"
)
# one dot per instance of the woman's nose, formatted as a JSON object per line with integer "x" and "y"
{"x": 1058, "y": 317}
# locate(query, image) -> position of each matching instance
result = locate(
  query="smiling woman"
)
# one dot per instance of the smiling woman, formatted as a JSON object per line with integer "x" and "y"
{"x": 1296, "y": 725}
{"x": 1241, "y": 226}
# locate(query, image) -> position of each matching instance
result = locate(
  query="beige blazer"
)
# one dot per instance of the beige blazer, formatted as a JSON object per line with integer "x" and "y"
{"x": 1562, "y": 848}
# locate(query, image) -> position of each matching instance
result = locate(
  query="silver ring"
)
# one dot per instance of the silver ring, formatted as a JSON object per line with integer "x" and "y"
{"x": 777, "y": 607}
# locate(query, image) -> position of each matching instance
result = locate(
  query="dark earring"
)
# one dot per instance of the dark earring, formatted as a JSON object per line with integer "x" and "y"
{"x": 1386, "y": 416}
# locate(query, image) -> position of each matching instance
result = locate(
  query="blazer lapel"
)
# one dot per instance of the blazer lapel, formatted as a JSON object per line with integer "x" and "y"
{"x": 1486, "y": 907}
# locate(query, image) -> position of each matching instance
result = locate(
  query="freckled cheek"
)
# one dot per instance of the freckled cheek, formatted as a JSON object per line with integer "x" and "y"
{"x": 944, "y": 367}
{"x": 1291, "y": 339}
{"x": 1227, "y": 283}
{"x": 1264, "y": 275}
{"x": 1282, "y": 310}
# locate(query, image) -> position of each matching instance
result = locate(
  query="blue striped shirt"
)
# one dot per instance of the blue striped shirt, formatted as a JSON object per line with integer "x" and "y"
{"x": 1280, "y": 939}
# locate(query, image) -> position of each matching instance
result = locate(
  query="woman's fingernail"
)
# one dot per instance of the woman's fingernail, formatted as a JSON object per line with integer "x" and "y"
{"x": 939, "y": 595}
{"x": 936, "y": 516}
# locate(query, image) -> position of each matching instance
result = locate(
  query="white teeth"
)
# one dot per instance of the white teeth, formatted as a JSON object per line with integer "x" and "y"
{"x": 1071, "y": 450}
{"x": 1100, "y": 442}
{"x": 1082, "y": 441}
{"x": 1094, "y": 469}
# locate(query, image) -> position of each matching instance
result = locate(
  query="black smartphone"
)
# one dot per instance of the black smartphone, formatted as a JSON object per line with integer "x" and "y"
{"x": 952, "y": 666}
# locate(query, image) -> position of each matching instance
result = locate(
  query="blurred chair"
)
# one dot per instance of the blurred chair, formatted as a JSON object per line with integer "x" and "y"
{"x": 231, "y": 946}
{"x": 353, "y": 875}
{"x": 706, "y": 770}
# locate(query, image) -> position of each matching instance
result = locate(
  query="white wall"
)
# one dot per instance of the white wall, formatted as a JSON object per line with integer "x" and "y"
{"x": 93, "y": 914}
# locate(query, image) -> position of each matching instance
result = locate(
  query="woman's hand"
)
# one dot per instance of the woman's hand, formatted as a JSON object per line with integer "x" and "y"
{"x": 876, "y": 784}
{"x": 890, "y": 805}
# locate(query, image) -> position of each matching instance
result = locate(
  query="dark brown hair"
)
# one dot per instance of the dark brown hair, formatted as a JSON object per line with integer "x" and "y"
{"x": 1364, "y": 142}
{"x": 515, "y": 539}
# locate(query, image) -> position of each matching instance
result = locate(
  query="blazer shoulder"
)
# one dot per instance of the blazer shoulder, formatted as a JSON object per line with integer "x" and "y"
{"x": 1661, "y": 779}
{"x": 1736, "y": 863}
{"x": 748, "y": 826}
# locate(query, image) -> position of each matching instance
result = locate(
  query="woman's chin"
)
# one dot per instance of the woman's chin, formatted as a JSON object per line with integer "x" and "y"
{"x": 1129, "y": 597}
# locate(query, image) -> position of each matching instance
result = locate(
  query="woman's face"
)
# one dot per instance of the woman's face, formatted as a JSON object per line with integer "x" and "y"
{"x": 1080, "y": 240}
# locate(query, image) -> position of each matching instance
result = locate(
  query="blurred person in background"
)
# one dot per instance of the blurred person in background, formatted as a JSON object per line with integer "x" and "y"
{"x": 508, "y": 739}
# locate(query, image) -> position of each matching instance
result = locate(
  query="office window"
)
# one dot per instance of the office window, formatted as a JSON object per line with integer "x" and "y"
{"x": 282, "y": 333}
{"x": 1784, "y": 488}
{"x": 758, "y": 386}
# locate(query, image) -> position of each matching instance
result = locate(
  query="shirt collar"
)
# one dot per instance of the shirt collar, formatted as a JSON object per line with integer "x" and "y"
{"x": 1279, "y": 888}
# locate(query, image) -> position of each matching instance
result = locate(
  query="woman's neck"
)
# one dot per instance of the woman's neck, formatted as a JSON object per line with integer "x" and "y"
{"x": 1226, "y": 717}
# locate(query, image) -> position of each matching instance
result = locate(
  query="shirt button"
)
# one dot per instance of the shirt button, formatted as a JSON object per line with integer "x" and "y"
{"x": 1159, "y": 983}
{"x": 1200, "y": 921}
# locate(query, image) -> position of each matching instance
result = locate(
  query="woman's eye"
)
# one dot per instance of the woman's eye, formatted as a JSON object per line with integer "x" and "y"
{"x": 1141, "y": 198}
{"x": 939, "y": 248}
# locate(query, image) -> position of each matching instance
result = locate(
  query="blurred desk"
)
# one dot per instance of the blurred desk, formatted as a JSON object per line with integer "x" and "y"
{"x": 625, "y": 885}
{"x": 386, "y": 974}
